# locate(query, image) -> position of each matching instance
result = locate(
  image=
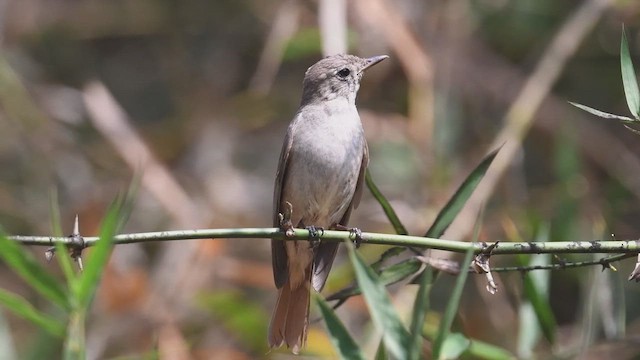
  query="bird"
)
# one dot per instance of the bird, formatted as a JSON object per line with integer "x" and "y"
{"x": 320, "y": 179}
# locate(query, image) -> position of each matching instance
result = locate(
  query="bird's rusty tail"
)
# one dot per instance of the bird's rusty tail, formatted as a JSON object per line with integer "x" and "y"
{"x": 290, "y": 317}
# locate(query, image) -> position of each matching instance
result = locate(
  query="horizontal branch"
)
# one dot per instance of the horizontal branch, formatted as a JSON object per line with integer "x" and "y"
{"x": 563, "y": 247}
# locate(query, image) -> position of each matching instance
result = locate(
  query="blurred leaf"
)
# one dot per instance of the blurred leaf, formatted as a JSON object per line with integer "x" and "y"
{"x": 395, "y": 336}
{"x": 41, "y": 345}
{"x": 541, "y": 307}
{"x": 116, "y": 217}
{"x": 402, "y": 270}
{"x": 239, "y": 315}
{"x": 387, "y": 276}
{"x": 96, "y": 261}
{"x": 420, "y": 307}
{"x": 7, "y": 347}
{"x": 343, "y": 342}
{"x": 64, "y": 260}
{"x": 460, "y": 197}
{"x": 22, "y": 308}
{"x": 454, "y": 300}
{"x": 381, "y": 353}
{"x": 539, "y": 298}
{"x": 386, "y": 207}
{"x": 481, "y": 350}
{"x": 454, "y": 345}
{"x": 35, "y": 275}
{"x": 452, "y": 308}
{"x": 442, "y": 222}
{"x": 603, "y": 114}
{"x": 629, "y": 78}
{"x": 74, "y": 344}
{"x": 530, "y": 321}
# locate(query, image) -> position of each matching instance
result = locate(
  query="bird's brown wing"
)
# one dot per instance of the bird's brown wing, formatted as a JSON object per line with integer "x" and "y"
{"x": 326, "y": 252}
{"x": 278, "y": 251}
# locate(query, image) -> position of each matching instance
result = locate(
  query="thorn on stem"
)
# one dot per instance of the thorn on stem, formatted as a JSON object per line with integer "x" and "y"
{"x": 75, "y": 245}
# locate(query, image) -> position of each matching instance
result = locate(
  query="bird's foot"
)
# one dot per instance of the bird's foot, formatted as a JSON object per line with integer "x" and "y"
{"x": 285, "y": 220}
{"x": 314, "y": 235}
{"x": 354, "y": 233}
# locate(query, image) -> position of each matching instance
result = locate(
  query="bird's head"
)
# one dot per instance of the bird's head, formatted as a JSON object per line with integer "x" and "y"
{"x": 336, "y": 76}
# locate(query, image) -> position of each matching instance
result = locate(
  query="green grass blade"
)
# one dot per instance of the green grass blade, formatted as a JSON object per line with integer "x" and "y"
{"x": 534, "y": 285}
{"x": 96, "y": 261}
{"x": 420, "y": 307}
{"x": 386, "y": 207}
{"x": 481, "y": 350}
{"x": 629, "y": 80}
{"x": 22, "y": 308}
{"x": 387, "y": 276}
{"x": 32, "y": 272}
{"x": 541, "y": 307}
{"x": 454, "y": 301}
{"x": 452, "y": 307}
{"x": 344, "y": 344}
{"x": 74, "y": 344}
{"x": 602, "y": 114}
{"x": 395, "y": 336}
{"x": 460, "y": 197}
{"x": 62, "y": 255}
{"x": 381, "y": 353}
{"x": 455, "y": 344}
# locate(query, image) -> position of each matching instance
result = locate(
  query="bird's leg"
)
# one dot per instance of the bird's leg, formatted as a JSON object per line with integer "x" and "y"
{"x": 314, "y": 235}
{"x": 354, "y": 233}
{"x": 285, "y": 220}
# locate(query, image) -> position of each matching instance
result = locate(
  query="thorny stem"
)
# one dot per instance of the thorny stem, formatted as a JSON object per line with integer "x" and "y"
{"x": 559, "y": 247}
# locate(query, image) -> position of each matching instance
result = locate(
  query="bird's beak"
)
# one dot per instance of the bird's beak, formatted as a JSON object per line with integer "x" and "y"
{"x": 373, "y": 60}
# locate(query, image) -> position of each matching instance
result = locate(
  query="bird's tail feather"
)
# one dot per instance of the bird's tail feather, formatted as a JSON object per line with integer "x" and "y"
{"x": 290, "y": 317}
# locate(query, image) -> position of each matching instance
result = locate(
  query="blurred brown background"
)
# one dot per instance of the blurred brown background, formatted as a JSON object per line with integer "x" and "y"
{"x": 196, "y": 95}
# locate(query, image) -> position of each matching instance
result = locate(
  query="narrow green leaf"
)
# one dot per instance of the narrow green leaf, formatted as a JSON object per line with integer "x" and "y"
{"x": 395, "y": 336}
{"x": 74, "y": 343}
{"x": 454, "y": 301}
{"x": 457, "y": 201}
{"x": 386, "y": 207}
{"x": 401, "y": 271}
{"x": 482, "y": 350}
{"x": 454, "y": 346}
{"x": 64, "y": 260}
{"x": 343, "y": 342}
{"x": 629, "y": 80}
{"x": 534, "y": 289}
{"x": 381, "y": 353}
{"x": 21, "y": 307}
{"x": 452, "y": 307}
{"x": 20, "y": 261}
{"x": 604, "y": 115}
{"x": 96, "y": 261}
{"x": 541, "y": 307}
{"x": 420, "y": 307}
{"x": 387, "y": 276}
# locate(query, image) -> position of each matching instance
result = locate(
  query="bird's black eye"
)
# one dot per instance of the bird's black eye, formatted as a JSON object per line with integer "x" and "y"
{"x": 344, "y": 73}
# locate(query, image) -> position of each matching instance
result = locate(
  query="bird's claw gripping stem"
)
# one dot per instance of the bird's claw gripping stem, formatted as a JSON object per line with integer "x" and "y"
{"x": 355, "y": 234}
{"x": 314, "y": 235}
{"x": 285, "y": 220}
